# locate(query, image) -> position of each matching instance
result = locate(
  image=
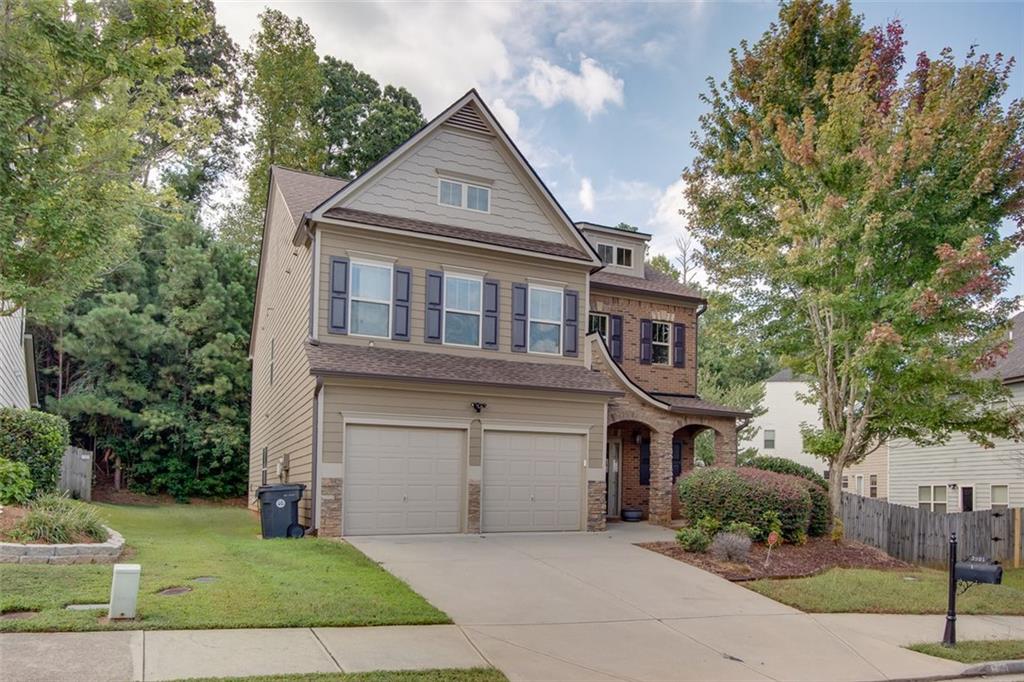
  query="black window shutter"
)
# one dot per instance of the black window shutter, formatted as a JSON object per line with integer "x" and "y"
{"x": 338, "y": 323}
{"x": 571, "y": 323}
{"x": 492, "y": 290}
{"x": 645, "y": 462}
{"x": 679, "y": 345}
{"x": 519, "y": 321}
{"x": 677, "y": 459}
{"x": 615, "y": 337}
{"x": 645, "y": 342}
{"x": 402, "y": 299}
{"x": 435, "y": 307}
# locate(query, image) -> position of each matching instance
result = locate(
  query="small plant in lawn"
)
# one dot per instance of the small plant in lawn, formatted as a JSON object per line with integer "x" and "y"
{"x": 693, "y": 539}
{"x": 710, "y": 525}
{"x": 56, "y": 519}
{"x": 15, "y": 482}
{"x": 743, "y": 528}
{"x": 730, "y": 547}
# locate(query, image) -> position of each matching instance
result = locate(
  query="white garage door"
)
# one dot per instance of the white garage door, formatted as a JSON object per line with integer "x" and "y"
{"x": 531, "y": 481}
{"x": 402, "y": 480}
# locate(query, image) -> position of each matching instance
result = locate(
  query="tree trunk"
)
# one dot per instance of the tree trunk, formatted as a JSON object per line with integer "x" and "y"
{"x": 835, "y": 487}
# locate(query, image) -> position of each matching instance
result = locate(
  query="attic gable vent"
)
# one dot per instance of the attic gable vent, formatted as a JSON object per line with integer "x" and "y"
{"x": 469, "y": 118}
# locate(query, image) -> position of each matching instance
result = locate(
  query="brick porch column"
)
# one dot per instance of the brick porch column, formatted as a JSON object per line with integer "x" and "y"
{"x": 725, "y": 446}
{"x": 660, "y": 505}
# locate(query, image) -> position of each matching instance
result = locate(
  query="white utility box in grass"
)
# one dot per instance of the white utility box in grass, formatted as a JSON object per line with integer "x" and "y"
{"x": 124, "y": 591}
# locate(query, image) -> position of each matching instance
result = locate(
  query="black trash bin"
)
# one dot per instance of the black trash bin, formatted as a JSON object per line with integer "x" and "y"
{"x": 279, "y": 510}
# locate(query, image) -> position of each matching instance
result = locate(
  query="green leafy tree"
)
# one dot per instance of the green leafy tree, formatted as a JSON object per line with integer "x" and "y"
{"x": 626, "y": 227}
{"x": 83, "y": 85}
{"x": 662, "y": 264}
{"x": 859, "y": 216}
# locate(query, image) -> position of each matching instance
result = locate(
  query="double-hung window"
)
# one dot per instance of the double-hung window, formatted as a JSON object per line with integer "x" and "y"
{"x": 463, "y": 195}
{"x": 932, "y": 498}
{"x": 598, "y": 322}
{"x": 606, "y": 253}
{"x": 660, "y": 335}
{"x": 615, "y": 255}
{"x": 624, "y": 257}
{"x": 370, "y": 313}
{"x": 873, "y": 485}
{"x": 769, "y": 439}
{"x": 462, "y": 298}
{"x": 545, "y": 315}
{"x": 1000, "y": 496}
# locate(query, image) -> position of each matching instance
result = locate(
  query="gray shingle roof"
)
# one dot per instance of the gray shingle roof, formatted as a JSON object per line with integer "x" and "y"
{"x": 464, "y": 233}
{"x": 653, "y": 282}
{"x": 699, "y": 406}
{"x": 1010, "y": 368}
{"x": 351, "y": 360}
{"x": 304, "y": 191}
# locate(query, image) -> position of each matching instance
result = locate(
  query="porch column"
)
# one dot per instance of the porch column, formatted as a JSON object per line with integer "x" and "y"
{"x": 725, "y": 446}
{"x": 660, "y": 505}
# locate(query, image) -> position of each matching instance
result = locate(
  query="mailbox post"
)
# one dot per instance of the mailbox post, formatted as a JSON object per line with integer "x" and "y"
{"x": 974, "y": 571}
{"x": 949, "y": 636}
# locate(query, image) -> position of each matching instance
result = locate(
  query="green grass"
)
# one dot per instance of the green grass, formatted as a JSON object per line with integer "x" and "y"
{"x": 442, "y": 675}
{"x": 260, "y": 583}
{"x": 976, "y": 651}
{"x": 858, "y": 590}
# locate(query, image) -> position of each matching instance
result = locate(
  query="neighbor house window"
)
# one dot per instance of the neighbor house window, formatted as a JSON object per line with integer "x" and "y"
{"x": 598, "y": 323}
{"x": 1000, "y": 496}
{"x": 873, "y": 485}
{"x": 860, "y": 484}
{"x": 462, "y": 310}
{"x": 606, "y": 252}
{"x": 545, "y": 320}
{"x": 769, "y": 439}
{"x": 660, "y": 332}
{"x": 932, "y": 498}
{"x": 846, "y": 482}
{"x": 624, "y": 257}
{"x": 463, "y": 195}
{"x": 371, "y": 299}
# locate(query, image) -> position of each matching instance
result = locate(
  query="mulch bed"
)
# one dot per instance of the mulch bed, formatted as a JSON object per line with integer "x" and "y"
{"x": 787, "y": 561}
{"x": 9, "y": 517}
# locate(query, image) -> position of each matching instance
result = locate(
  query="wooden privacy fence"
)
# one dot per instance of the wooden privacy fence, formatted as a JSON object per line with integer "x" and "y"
{"x": 921, "y": 536}
{"x": 76, "y": 473}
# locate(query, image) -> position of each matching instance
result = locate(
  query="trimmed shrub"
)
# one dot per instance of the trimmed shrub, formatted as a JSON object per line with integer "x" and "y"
{"x": 821, "y": 510}
{"x": 56, "y": 519}
{"x": 38, "y": 440}
{"x": 15, "y": 482}
{"x": 743, "y": 528}
{"x": 745, "y": 494}
{"x": 730, "y": 547}
{"x": 693, "y": 539}
{"x": 710, "y": 525}
{"x": 781, "y": 465}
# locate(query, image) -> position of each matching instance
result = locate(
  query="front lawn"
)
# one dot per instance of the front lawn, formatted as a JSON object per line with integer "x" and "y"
{"x": 977, "y": 651}
{"x": 843, "y": 590}
{"x": 255, "y": 582}
{"x": 441, "y": 675}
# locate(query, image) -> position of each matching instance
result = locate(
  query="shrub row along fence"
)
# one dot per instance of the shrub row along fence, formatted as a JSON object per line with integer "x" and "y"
{"x": 921, "y": 536}
{"x": 76, "y": 473}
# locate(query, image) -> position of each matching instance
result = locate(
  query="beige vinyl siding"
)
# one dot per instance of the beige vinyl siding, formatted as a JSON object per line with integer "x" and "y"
{"x": 639, "y": 247}
{"x": 958, "y": 461}
{"x": 282, "y": 413}
{"x": 877, "y": 464}
{"x": 409, "y": 189}
{"x": 400, "y": 402}
{"x": 422, "y": 255}
{"x": 13, "y": 382}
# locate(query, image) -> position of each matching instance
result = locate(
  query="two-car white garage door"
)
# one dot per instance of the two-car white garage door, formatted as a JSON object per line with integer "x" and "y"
{"x": 401, "y": 479}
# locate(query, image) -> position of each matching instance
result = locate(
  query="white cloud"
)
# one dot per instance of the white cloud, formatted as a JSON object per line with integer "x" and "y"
{"x": 586, "y": 195}
{"x": 666, "y": 224}
{"x": 590, "y": 90}
{"x": 507, "y": 116}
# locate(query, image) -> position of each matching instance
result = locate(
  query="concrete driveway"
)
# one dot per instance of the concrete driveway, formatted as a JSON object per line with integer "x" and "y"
{"x": 592, "y": 606}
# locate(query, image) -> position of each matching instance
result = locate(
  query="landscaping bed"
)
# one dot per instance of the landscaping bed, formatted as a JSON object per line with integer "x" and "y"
{"x": 787, "y": 561}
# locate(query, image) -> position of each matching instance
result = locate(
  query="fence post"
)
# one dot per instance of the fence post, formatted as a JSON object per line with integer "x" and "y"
{"x": 1017, "y": 539}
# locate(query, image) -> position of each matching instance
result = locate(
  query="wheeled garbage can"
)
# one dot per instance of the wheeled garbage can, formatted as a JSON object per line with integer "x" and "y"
{"x": 279, "y": 510}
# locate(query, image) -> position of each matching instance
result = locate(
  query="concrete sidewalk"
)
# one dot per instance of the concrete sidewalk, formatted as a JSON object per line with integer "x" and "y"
{"x": 182, "y": 654}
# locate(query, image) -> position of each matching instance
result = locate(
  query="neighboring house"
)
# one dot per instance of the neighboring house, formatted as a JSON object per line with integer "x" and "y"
{"x": 438, "y": 348}
{"x": 778, "y": 429}
{"x": 869, "y": 477}
{"x": 960, "y": 475}
{"x": 17, "y": 363}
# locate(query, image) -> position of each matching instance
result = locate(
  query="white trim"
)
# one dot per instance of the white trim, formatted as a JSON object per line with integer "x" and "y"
{"x": 352, "y": 298}
{"x": 858, "y": 484}
{"x": 549, "y": 283}
{"x": 622, "y": 377}
{"x": 991, "y": 498}
{"x": 607, "y": 321}
{"x": 463, "y": 194}
{"x": 498, "y": 425}
{"x": 931, "y": 491}
{"x": 321, "y": 398}
{"x": 459, "y": 176}
{"x": 459, "y": 270}
{"x": 379, "y": 419}
{"x": 960, "y": 496}
{"x": 366, "y": 257}
{"x": 530, "y": 319}
{"x": 667, "y": 344}
{"x": 316, "y": 290}
{"x": 479, "y": 312}
{"x": 616, "y": 248}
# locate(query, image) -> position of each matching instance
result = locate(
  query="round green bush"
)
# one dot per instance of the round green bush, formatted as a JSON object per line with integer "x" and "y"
{"x": 744, "y": 494}
{"x": 38, "y": 440}
{"x": 693, "y": 539}
{"x": 15, "y": 482}
{"x": 781, "y": 465}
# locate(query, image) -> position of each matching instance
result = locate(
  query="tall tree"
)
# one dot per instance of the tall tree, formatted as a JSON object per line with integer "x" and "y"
{"x": 81, "y": 86}
{"x": 860, "y": 216}
{"x": 688, "y": 257}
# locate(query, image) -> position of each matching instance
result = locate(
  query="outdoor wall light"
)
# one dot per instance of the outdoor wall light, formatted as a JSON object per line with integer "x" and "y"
{"x": 638, "y": 437}
{"x": 478, "y": 406}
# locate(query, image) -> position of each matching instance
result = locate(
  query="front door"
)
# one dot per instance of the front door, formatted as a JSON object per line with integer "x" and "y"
{"x": 613, "y": 477}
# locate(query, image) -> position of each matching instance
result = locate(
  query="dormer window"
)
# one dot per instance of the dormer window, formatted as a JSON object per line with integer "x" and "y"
{"x": 463, "y": 195}
{"x": 606, "y": 253}
{"x": 615, "y": 255}
{"x": 623, "y": 257}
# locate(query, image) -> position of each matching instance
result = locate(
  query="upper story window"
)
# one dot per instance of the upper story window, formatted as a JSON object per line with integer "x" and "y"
{"x": 545, "y": 316}
{"x": 769, "y": 439}
{"x": 370, "y": 313}
{"x": 615, "y": 255}
{"x": 660, "y": 335}
{"x": 598, "y": 322}
{"x": 463, "y": 195}
{"x": 606, "y": 253}
{"x": 624, "y": 257}
{"x": 462, "y": 298}
{"x": 932, "y": 498}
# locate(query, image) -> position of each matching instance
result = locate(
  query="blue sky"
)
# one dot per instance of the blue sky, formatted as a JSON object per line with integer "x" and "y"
{"x": 602, "y": 97}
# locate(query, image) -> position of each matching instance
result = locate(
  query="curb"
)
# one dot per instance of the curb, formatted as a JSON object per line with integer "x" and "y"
{"x": 995, "y": 668}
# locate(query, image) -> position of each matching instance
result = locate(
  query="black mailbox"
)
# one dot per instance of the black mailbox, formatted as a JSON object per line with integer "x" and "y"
{"x": 979, "y": 572}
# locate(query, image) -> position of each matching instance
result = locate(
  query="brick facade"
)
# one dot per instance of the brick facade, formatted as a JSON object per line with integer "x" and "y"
{"x": 653, "y": 378}
{"x": 330, "y": 507}
{"x": 597, "y": 500}
{"x": 473, "y": 507}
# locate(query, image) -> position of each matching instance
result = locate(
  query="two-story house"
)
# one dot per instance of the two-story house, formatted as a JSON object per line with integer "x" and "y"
{"x": 438, "y": 348}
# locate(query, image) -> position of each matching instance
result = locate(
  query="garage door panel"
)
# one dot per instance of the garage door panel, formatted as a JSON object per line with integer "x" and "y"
{"x": 402, "y": 480}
